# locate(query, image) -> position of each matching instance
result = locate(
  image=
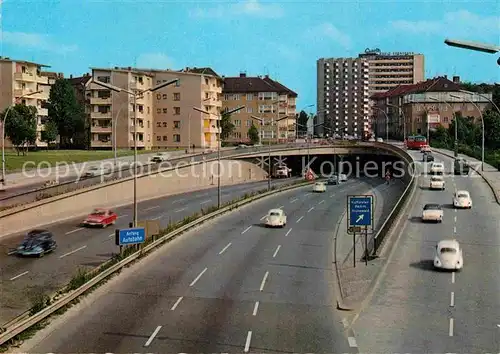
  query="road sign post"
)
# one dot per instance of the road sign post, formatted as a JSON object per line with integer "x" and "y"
{"x": 359, "y": 216}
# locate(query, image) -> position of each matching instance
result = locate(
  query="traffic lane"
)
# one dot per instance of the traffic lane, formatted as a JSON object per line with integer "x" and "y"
{"x": 477, "y": 287}
{"x": 161, "y": 279}
{"x": 87, "y": 248}
{"x": 412, "y": 300}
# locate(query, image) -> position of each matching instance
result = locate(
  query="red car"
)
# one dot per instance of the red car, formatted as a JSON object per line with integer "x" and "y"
{"x": 100, "y": 217}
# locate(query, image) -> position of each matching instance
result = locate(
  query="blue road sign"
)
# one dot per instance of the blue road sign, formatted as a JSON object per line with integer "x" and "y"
{"x": 131, "y": 236}
{"x": 360, "y": 211}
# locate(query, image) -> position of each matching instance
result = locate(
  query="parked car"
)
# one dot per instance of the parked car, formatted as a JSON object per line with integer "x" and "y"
{"x": 449, "y": 255}
{"x": 36, "y": 243}
{"x": 276, "y": 218}
{"x": 100, "y": 217}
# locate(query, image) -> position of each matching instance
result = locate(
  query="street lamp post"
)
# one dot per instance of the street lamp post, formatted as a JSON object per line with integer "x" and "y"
{"x": 219, "y": 197}
{"x": 115, "y": 123}
{"x": 482, "y": 96}
{"x": 454, "y": 119}
{"x": 3, "y": 133}
{"x": 482, "y": 126}
{"x": 404, "y": 118}
{"x": 386, "y": 122}
{"x": 135, "y": 95}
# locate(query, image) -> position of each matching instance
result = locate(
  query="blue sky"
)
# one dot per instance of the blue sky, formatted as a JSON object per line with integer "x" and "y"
{"x": 280, "y": 38}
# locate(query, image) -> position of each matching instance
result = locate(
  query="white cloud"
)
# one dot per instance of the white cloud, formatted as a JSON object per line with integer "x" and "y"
{"x": 252, "y": 8}
{"x": 330, "y": 32}
{"x": 37, "y": 41}
{"x": 154, "y": 61}
{"x": 460, "y": 22}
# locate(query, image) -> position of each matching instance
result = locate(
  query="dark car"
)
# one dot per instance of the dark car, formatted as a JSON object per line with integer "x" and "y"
{"x": 428, "y": 157}
{"x": 37, "y": 243}
{"x": 461, "y": 167}
{"x": 334, "y": 179}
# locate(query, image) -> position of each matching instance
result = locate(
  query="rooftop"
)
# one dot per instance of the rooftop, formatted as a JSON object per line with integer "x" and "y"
{"x": 150, "y": 72}
{"x": 7, "y": 60}
{"x": 244, "y": 84}
{"x": 437, "y": 84}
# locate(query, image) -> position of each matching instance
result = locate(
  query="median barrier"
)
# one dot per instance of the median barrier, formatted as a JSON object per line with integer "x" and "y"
{"x": 101, "y": 273}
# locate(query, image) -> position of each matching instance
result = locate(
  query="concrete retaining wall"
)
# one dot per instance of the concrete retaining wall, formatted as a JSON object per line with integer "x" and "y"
{"x": 74, "y": 204}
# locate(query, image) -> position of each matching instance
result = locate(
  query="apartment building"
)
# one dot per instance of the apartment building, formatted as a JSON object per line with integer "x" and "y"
{"x": 424, "y": 106}
{"x": 165, "y": 117}
{"x": 343, "y": 97}
{"x": 24, "y": 82}
{"x": 389, "y": 70}
{"x": 264, "y": 98}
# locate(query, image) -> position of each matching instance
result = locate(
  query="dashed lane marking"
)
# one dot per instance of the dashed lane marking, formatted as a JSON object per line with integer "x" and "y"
{"x": 453, "y": 278}
{"x": 152, "y": 336}
{"x": 74, "y": 251}
{"x": 277, "y": 250}
{"x": 198, "y": 277}
{"x": 247, "y": 342}
{"x": 310, "y": 209}
{"x": 263, "y": 281}
{"x": 255, "y": 308}
{"x": 179, "y": 210}
{"x": 177, "y": 303}
{"x": 75, "y": 230}
{"x": 450, "y": 332}
{"x": 288, "y": 232}
{"x": 294, "y": 200}
{"x": 19, "y": 275}
{"x": 298, "y": 220}
{"x": 152, "y": 208}
{"x": 225, "y": 248}
{"x": 452, "y": 299}
{"x": 352, "y": 342}
{"x": 248, "y": 228}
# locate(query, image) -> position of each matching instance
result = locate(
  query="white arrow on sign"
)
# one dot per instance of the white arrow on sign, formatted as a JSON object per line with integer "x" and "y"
{"x": 360, "y": 218}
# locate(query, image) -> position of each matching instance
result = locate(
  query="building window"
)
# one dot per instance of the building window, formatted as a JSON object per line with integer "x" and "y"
{"x": 249, "y": 96}
{"x": 227, "y": 97}
{"x": 158, "y": 138}
{"x": 237, "y": 123}
{"x": 249, "y": 123}
{"x": 177, "y": 111}
{"x": 158, "y": 124}
{"x": 177, "y": 138}
{"x": 148, "y": 110}
{"x": 268, "y": 96}
{"x": 266, "y": 108}
{"x": 206, "y": 81}
{"x": 177, "y": 124}
{"x": 158, "y": 110}
{"x": 105, "y": 79}
{"x": 178, "y": 83}
{"x": 165, "y": 111}
{"x": 158, "y": 96}
{"x": 249, "y": 110}
{"x": 236, "y": 97}
{"x": 158, "y": 82}
{"x": 164, "y": 96}
{"x": 177, "y": 96}
{"x": 165, "y": 138}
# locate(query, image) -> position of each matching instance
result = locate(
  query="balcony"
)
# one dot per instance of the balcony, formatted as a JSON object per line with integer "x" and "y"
{"x": 140, "y": 143}
{"x": 140, "y": 128}
{"x": 211, "y": 130}
{"x": 100, "y": 101}
{"x": 101, "y": 144}
{"x": 24, "y": 92}
{"x": 101, "y": 129}
{"x": 101, "y": 115}
{"x": 139, "y": 114}
{"x": 27, "y": 77}
{"x": 213, "y": 103}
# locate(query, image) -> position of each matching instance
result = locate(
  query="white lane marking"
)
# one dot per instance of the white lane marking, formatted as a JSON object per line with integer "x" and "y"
{"x": 247, "y": 343}
{"x": 206, "y": 201}
{"x": 307, "y": 194}
{"x": 450, "y": 333}
{"x": 152, "y": 336}
{"x": 225, "y": 248}
{"x": 321, "y": 202}
{"x": 75, "y": 230}
{"x": 294, "y": 200}
{"x": 113, "y": 234}
{"x": 332, "y": 195}
{"x": 453, "y": 278}
{"x": 310, "y": 209}
{"x": 152, "y": 208}
{"x": 157, "y": 217}
{"x": 122, "y": 216}
{"x": 255, "y": 308}
{"x": 277, "y": 250}
{"x": 452, "y": 299}
{"x": 19, "y": 275}
{"x": 248, "y": 228}
{"x": 454, "y": 229}
{"x": 262, "y": 218}
{"x": 455, "y": 210}
{"x": 198, "y": 277}
{"x": 264, "y": 281}
{"x": 455, "y": 218}
{"x": 177, "y": 303}
{"x": 281, "y": 207}
{"x": 178, "y": 201}
{"x": 288, "y": 232}
{"x": 352, "y": 342}
{"x": 300, "y": 219}
{"x": 74, "y": 251}
{"x": 179, "y": 210}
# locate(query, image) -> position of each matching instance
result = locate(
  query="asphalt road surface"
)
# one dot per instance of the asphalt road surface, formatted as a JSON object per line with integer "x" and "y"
{"x": 426, "y": 311}
{"x": 230, "y": 286}
{"x": 89, "y": 247}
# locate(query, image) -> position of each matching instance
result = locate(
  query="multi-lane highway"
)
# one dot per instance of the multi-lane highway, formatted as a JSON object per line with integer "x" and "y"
{"x": 230, "y": 286}
{"x": 84, "y": 247}
{"x": 425, "y": 311}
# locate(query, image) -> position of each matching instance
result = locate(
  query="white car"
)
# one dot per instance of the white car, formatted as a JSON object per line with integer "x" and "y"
{"x": 437, "y": 182}
{"x": 276, "y": 218}
{"x": 432, "y": 212}
{"x": 95, "y": 171}
{"x": 449, "y": 255}
{"x": 319, "y": 187}
{"x": 342, "y": 178}
{"x": 380, "y": 140}
{"x": 158, "y": 158}
{"x": 371, "y": 140}
{"x": 462, "y": 199}
{"x": 437, "y": 168}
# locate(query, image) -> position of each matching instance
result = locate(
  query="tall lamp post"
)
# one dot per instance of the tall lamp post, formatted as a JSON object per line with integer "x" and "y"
{"x": 454, "y": 119}
{"x": 400, "y": 108}
{"x": 386, "y": 122}
{"x": 135, "y": 95}
{"x": 482, "y": 96}
{"x": 218, "y": 144}
{"x": 482, "y": 126}
{"x": 3, "y": 133}
{"x": 262, "y": 121}
{"x": 115, "y": 123}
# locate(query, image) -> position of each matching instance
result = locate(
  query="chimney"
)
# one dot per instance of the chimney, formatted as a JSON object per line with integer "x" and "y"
{"x": 243, "y": 75}
{"x": 70, "y": 76}
{"x": 445, "y": 76}
{"x": 267, "y": 76}
{"x": 456, "y": 79}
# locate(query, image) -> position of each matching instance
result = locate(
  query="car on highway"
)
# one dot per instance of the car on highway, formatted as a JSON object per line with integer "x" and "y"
{"x": 461, "y": 167}
{"x": 276, "y": 218}
{"x": 427, "y": 157}
{"x": 100, "y": 217}
{"x": 95, "y": 171}
{"x": 380, "y": 140}
{"x": 319, "y": 187}
{"x": 342, "y": 177}
{"x": 36, "y": 243}
{"x": 437, "y": 168}
{"x": 332, "y": 180}
{"x": 462, "y": 199}
{"x": 425, "y": 148}
{"x": 432, "y": 212}
{"x": 158, "y": 158}
{"x": 437, "y": 182}
{"x": 372, "y": 140}
{"x": 449, "y": 255}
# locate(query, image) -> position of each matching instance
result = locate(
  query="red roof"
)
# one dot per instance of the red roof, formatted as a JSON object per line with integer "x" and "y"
{"x": 437, "y": 84}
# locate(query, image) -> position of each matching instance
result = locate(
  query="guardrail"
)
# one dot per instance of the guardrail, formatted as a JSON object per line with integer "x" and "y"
{"x": 25, "y": 323}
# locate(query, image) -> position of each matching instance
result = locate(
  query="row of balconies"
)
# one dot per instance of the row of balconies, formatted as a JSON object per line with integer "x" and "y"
{"x": 345, "y": 63}
{"x": 31, "y": 77}
{"x": 211, "y": 88}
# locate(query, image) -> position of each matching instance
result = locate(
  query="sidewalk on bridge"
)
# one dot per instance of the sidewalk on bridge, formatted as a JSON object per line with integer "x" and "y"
{"x": 355, "y": 281}
{"x": 491, "y": 175}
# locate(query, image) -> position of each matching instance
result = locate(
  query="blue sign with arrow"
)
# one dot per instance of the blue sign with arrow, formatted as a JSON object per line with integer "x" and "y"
{"x": 360, "y": 210}
{"x": 131, "y": 236}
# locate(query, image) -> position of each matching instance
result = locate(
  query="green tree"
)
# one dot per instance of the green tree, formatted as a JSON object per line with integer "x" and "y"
{"x": 49, "y": 134}
{"x": 227, "y": 127}
{"x": 253, "y": 134}
{"x": 491, "y": 130}
{"x": 66, "y": 113}
{"x": 20, "y": 126}
{"x": 440, "y": 137}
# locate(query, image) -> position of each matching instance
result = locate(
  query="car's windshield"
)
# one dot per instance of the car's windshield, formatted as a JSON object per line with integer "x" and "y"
{"x": 462, "y": 195}
{"x": 448, "y": 250}
{"x": 434, "y": 179}
{"x": 274, "y": 213}
{"x": 432, "y": 207}
{"x": 98, "y": 212}
{"x": 31, "y": 242}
